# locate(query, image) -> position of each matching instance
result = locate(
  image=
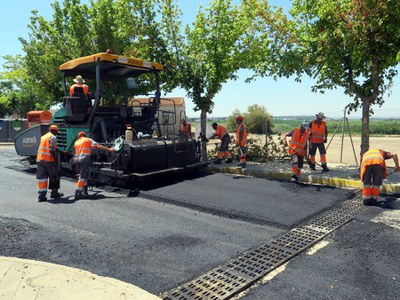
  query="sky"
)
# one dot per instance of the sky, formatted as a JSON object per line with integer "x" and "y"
{"x": 282, "y": 97}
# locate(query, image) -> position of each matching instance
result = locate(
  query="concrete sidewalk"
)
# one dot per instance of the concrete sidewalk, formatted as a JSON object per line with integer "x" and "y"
{"x": 24, "y": 279}
{"x": 339, "y": 175}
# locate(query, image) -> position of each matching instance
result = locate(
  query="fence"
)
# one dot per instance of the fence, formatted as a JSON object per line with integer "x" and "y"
{"x": 9, "y": 129}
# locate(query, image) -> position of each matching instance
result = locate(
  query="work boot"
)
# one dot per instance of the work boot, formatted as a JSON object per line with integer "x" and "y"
{"x": 312, "y": 166}
{"x": 79, "y": 195}
{"x": 228, "y": 160}
{"x": 369, "y": 201}
{"x": 85, "y": 192}
{"x": 294, "y": 178}
{"x": 42, "y": 197}
{"x": 325, "y": 168}
{"x": 242, "y": 165}
{"x": 55, "y": 194}
{"x": 218, "y": 161}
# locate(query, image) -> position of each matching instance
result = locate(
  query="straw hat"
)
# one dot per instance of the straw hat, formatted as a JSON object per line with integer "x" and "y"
{"x": 79, "y": 79}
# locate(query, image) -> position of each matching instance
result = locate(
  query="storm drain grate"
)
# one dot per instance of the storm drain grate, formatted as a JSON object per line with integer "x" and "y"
{"x": 233, "y": 277}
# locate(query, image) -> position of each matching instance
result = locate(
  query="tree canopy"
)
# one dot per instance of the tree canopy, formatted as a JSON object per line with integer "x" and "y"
{"x": 351, "y": 44}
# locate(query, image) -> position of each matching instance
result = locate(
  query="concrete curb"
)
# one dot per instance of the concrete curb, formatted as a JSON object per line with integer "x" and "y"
{"x": 317, "y": 179}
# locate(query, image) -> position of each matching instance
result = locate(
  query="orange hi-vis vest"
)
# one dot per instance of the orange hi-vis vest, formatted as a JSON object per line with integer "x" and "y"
{"x": 82, "y": 85}
{"x": 221, "y": 131}
{"x": 83, "y": 148}
{"x": 186, "y": 129}
{"x": 298, "y": 142}
{"x": 372, "y": 157}
{"x": 317, "y": 133}
{"x": 44, "y": 151}
{"x": 243, "y": 142}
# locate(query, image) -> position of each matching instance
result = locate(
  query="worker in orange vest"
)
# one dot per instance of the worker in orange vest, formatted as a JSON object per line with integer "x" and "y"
{"x": 297, "y": 148}
{"x": 82, "y": 158}
{"x": 373, "y": 171}
{"x": 186, "y": 129}
{"x": 79, "y": 82}
{"x": 223, "y": 135}
{"x": 318, "y": 136}
{"x": 47, "y": 170}
{"x": 241, "y": 141}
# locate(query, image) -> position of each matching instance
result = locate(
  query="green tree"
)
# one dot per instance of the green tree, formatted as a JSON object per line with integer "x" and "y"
{"x": 17, "y": 90}
{"x": 351, "y": 44}
{"x": 127, "y": 27}
{"x": 258, "y": 120}
{"x": 207, "y": 54}
{"x": 231, "y": 120}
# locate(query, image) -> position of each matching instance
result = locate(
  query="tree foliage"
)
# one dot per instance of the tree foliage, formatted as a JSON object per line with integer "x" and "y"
{"x": 18, "y": 91}
{"x": 208, "y": 53}
{"x": 127, "y": 27}
{"x": 351, "y": 44}
{"x": 257, "y": 120}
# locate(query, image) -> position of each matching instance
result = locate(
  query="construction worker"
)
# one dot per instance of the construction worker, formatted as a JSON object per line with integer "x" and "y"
{"x": 82, "y": 158}
{"x": 79, "y": 83}
{"x": 186, "y": 129}
{"x": 318, "y": 136}
{"x": 241, "y": 141}
{"x": 47, "y": 169}
{"x": 223, "y": 135}
{"x": 297, "y": 148}
{"x": 373, "y": 171}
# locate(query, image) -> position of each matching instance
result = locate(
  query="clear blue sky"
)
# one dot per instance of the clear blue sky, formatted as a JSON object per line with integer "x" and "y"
{"x": 281, "y": 97}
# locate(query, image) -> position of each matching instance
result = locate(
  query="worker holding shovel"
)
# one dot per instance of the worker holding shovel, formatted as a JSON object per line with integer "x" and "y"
{"x": 373, "y": 171}
{"x": 297, "y": 148}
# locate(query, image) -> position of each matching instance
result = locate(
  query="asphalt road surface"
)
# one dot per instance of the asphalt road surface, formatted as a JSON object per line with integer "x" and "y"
{"x": 173, "y": 231}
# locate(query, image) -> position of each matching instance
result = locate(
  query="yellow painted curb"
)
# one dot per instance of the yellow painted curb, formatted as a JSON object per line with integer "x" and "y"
{"x": 387, "y": 188}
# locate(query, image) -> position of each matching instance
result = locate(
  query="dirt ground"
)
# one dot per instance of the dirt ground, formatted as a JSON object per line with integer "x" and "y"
{"x": 344, "y": 150}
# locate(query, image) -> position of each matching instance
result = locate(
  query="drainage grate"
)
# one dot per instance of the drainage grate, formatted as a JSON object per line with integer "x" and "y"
{"x": 233, "y": 277}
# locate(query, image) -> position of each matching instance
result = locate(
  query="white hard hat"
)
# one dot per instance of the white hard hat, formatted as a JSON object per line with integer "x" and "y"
{"x": 304, "y": 124}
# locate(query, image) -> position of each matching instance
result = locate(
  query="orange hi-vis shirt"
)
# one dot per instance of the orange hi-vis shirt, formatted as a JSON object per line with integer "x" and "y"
{"x": 317, "y": 132}
{"x": 221, "y": 131}
{"x": 48, "y": 143}
{"x": 373, "y": 157}
{"x": 298, "y": 142}
{"x": 241, "y": 129}
{"x": 186, "y": 129}
{"x": 82, "y": 85}
{"x": 83, "y": 148}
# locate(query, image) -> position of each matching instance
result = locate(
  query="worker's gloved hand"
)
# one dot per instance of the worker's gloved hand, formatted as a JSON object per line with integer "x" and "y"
{"x": 325, "y": 140}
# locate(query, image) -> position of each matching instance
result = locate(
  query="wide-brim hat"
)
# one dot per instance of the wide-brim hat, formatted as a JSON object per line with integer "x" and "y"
{"x": 79, "y": 79}
{"x": 320, "y": 115}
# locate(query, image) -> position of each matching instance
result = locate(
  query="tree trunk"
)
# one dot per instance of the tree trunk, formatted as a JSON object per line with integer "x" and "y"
{"x": 365, "y": 125}
{"x": 203, "y": 126}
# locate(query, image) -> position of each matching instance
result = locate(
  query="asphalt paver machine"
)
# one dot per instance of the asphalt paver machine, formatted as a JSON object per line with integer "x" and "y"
{"x": 144, "y": 151}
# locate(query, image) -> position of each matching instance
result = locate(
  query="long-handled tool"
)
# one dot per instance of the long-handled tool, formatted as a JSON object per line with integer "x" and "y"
{"x": 305, "y": 157}
{"x": 357, "y": 191}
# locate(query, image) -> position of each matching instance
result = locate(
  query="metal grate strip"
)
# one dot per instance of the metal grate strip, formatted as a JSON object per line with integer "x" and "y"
{"x": 231, "y": 278}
